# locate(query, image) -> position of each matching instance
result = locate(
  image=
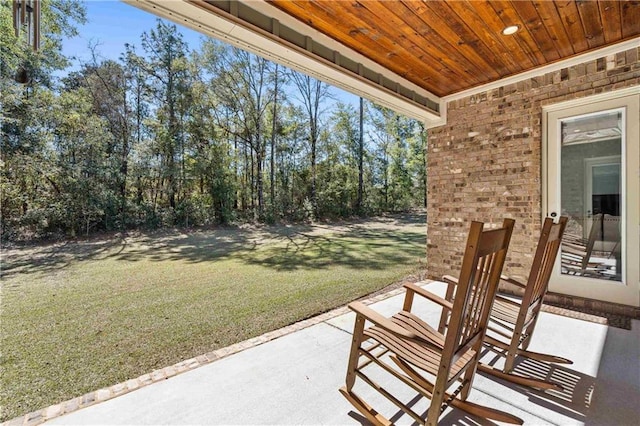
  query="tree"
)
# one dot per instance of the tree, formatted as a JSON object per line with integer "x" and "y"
{"x": 274, "y": 131}
{"x": 381, "y": 117}
{"x": 291, "y": 177}
{"x": 392, "y": 132}
{"x": 108, "y": 84}
{"x": 312, "y": 93}
{"x": 400, "y": 180}
{"x": 417, "y": 164}
{"x": 166, "y": 65}
{"x": 136, "y": 87}
{"x": 166, "y": 136}
{"x": 339, "y": 177}
{"x": 360, "y": 158}
{"x": 25, "y": 114}
{"x": 211, "y": 149}
{"x": 245, "y": 86}
{"x": 81, "y": 179}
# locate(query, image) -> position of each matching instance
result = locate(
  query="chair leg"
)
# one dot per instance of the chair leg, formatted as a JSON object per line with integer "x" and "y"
{"x": 365, "y": 409}
{"x": 433, "y": 413}
{"x": 529, "y": 331}
{"x": 354, "y": 355}
{"x": 506, "y": 372}
{"x": 437, "y": 395}
{"x": 511, "y": 353}
{"x": 467, "y": 379}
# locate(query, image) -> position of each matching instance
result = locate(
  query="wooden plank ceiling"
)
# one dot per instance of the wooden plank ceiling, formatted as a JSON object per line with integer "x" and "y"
{"x": 449, "y": 46}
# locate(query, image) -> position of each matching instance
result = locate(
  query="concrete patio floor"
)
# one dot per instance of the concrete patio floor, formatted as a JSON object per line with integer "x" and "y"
{"x": 294, "y": 379}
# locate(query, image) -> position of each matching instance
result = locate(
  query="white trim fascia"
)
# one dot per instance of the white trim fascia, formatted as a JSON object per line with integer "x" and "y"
{"x": 574, "y": 60}
{"x": 443, "y": 116}
{"x": 192, "y": 16}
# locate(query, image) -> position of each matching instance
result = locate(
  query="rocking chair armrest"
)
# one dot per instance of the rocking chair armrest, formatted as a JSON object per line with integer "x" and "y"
{"x": 428, "y": 295}
{"x": 513, "y": 281}
{"x": 381, "y": 321}
{"x": 449, "y": 279}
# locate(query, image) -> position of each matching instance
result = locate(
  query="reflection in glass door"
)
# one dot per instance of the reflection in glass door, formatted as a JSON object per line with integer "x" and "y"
{"x": 591, "y": 173}
{"x": 591, "y": 195}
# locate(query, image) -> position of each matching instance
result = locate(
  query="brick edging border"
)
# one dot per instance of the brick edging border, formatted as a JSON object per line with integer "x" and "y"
{"x": 40, "y": 416}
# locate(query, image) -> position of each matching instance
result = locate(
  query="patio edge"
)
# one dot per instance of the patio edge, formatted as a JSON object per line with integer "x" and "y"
{"x": 42, "y": 415}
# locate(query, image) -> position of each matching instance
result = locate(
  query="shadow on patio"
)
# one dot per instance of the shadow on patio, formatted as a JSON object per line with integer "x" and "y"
{"x": 292, "y": 376}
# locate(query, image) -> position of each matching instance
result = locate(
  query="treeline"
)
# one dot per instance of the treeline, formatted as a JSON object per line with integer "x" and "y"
{"x": 170, "y": 136}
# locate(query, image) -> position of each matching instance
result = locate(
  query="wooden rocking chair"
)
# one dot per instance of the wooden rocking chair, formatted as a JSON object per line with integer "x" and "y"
{"x": 440, "y": 367}
{"x": 511, "y": 323}
{"x": 576, "y": 253}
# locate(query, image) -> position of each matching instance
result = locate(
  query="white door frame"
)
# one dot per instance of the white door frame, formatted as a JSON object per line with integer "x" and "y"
{"x": 628, "y": 291}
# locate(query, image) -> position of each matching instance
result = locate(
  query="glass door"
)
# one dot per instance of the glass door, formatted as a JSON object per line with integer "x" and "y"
{"x": 593, "y": 178}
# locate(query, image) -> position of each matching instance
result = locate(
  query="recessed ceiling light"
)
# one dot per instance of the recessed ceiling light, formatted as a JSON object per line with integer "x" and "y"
{"x": 512, "y": 29}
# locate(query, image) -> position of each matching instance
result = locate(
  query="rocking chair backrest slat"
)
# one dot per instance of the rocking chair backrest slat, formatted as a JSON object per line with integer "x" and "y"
{"x": 481, "y": 268}
{"x": 543, "y": 260}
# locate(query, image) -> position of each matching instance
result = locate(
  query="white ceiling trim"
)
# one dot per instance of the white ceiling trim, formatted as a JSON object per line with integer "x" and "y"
{"x": 556, "y": 66}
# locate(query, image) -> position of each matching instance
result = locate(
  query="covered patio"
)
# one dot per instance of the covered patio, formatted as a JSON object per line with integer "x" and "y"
{"x": 292, "y": 376}
{"x": 488, "y": 97}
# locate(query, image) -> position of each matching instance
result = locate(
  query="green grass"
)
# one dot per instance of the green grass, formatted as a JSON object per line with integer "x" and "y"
{"x": 80, "y": 316}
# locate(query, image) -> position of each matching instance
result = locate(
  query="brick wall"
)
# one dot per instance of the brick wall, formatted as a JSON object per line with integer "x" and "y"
{"x": 485, "y": 164}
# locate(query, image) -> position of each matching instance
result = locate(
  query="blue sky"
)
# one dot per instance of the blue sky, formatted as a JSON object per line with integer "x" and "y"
{"x": 112, "y": 23}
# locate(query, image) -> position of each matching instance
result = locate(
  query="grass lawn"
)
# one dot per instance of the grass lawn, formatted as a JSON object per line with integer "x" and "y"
{"x": 83, "y": 315}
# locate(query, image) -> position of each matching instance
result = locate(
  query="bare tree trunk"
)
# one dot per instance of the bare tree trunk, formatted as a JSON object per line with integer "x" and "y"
{"x": 123, "y": 159}
{"x": 312, "y": 92}
{"x": 273, "y": 145}
{"x": 140, "y": 197}
{"x": 252, "y": 180}
{"x": 423, "y": 135}
{"x": 259, "y": 185}
{"x": 314, "y": 142}
{"x": 245, "y": 184}
{"x": 235, "y": 172}
{"x": 360, "y": 158}
{"x": 386, "y": 178}
{"x": 260, "y": 154}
